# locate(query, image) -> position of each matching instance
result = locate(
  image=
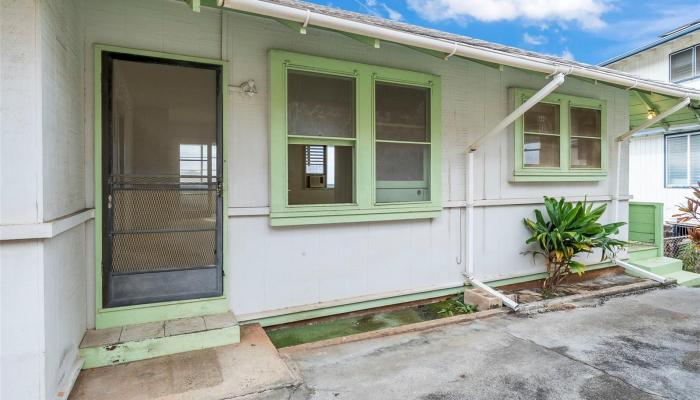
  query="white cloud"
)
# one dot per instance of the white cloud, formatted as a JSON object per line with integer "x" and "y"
{"x": 587, "y": 13}
{"x": 567, "y": 55}
{"x": 393, "y": 14}
{"x": 535, "y": 40}
{"x": 379, "y": 9}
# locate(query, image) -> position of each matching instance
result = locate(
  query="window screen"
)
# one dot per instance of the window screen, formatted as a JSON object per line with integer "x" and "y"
{"x": 585, "y": 138}
{"x": 682, "y": 65}
{"x": 402, "y": 121}
{"x": 320, "y": 105}
{"x": 677, "y": 161}
{"x": 542, "y": 136}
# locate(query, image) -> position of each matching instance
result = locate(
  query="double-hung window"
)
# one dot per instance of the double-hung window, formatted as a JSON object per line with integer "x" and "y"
{"x": 682, "y": 160}
{"x": 561, "y": 138}
{"x": 683, "y": 64}
{"x": 352, "y": 142}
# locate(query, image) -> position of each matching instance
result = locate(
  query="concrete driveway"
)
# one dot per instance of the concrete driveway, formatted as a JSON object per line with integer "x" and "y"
{"x": 644, "y": 346}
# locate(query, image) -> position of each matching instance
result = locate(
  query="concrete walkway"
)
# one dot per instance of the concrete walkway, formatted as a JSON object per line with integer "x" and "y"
{"x": 643, "y": 346}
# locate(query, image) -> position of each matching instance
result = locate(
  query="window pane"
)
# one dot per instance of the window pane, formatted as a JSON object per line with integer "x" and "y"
{"x": 320, "y": 174}
{"x": 541, "y": 151}
{"x": 585, "y": 153}
{"x": 403, "y": 172}
{"x": 694, "y": 160}
{"x": 585, "y": 122}
{"x": 542, "y": 118}
{"x": 682, "y": 65}
{"x": 677, "y": 161}
{"x": 402, "y": 112}
{"x": 320, "y": 105}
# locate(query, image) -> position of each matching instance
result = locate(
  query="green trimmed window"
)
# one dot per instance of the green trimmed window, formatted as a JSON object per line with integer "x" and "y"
{"x": 561, "y": 138}
{"x": 352, "y": 142}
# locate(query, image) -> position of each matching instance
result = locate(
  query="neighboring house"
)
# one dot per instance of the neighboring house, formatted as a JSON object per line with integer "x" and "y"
{"x": 276, "y": 159}
{"x": 665, "y": 162}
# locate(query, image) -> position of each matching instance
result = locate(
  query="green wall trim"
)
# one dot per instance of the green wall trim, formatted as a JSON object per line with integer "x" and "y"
{"x": 388, "y": 301}
{"x": 150, "y": 348}
{"x": 346, "y": 308}
{"x": 564, "y": 173}
{"x": 120, "y": 316}
{"x": 364, "y": 207}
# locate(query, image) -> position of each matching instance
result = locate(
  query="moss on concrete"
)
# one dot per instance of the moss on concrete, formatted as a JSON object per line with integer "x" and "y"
{"x": 315, "y": 331}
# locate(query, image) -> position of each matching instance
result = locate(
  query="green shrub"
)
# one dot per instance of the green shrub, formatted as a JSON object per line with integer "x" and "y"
{"x": 568, "y": 230}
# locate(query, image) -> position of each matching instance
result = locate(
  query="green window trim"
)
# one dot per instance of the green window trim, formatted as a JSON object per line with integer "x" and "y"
{"x": 565, "y": 173}
{"x": 365, "y": 207}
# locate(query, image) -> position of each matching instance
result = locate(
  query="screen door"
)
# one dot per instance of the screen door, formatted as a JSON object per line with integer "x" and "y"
{"x": 162, "y": 180}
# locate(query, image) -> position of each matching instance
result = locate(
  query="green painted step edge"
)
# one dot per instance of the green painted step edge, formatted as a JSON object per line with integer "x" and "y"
{"x": 641, "y": 254}
{"x": 150, "y": 348}
{"x": 685, "y": 278}
{"x": 660, "y": 265}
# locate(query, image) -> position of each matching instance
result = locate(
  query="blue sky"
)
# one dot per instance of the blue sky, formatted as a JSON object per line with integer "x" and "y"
{"x": 590, "y": 31}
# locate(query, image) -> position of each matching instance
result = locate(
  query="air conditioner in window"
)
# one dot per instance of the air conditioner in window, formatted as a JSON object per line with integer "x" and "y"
{"x": 315, "y": 181}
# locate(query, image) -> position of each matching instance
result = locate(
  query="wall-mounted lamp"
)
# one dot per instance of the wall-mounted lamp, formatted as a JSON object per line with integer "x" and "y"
{"x": 651, "y": 114}
{"x": 248, "y": 87}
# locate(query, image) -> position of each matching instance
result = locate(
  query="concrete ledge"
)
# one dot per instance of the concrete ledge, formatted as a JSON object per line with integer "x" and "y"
{"x": 562, "y": 302}
{"x": 250, "y": 369}
{"x": 420, "y": 326}
{"x": 557, "y": 304}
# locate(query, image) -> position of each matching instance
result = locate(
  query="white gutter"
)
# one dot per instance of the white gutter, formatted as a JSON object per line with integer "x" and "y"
{"x": 620, "y": 139}
{"x": 532, "y": 63}
{"x": 643, "y": 272}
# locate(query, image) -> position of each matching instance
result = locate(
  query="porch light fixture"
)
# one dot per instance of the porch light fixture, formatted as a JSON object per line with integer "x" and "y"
{"x": 651, "y": 114}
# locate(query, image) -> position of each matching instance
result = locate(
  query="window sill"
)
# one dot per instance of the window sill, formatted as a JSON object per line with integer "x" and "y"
{"x": 287, "y": 218}
{"x": 555, "y": 176}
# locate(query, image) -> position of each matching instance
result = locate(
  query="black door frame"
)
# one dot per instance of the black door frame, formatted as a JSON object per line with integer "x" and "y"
{"x": 184, "y": 274}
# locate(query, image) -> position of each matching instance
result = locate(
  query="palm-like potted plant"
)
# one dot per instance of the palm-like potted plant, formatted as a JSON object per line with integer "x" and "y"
{"x": 568, "y": 230}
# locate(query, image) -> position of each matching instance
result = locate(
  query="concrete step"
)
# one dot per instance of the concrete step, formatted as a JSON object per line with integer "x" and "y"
{"x": 128, "y": 343}
{"x": 660, "y": 265}
{"x": 642, "y": 252}
{"x": 685, "y": 278}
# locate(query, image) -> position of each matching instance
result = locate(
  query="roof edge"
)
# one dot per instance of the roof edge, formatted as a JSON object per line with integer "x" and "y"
{"x": 386, "y": 30}
{"x": 663, "y": 40}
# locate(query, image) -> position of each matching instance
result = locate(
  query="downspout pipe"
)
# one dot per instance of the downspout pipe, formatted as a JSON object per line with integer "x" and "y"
{"x": 522, "y": 61}
{"x": 643, "y": 272}
{"x": 557, "y": 81}
{"x": 625, "y": 136}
